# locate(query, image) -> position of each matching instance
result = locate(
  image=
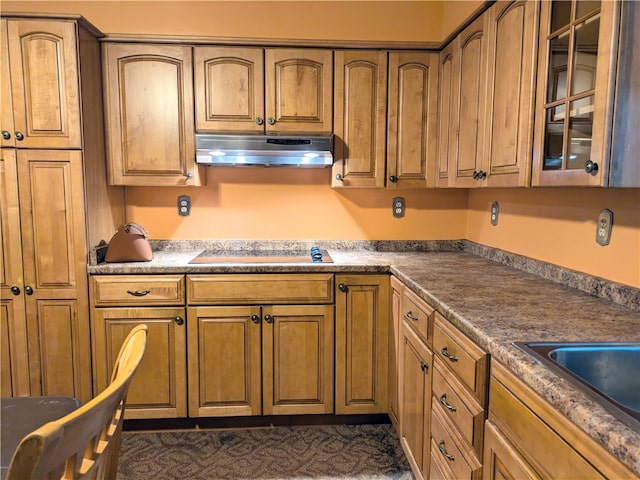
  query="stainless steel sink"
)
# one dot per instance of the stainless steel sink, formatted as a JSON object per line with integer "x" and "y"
{"x": 609, "y": 372}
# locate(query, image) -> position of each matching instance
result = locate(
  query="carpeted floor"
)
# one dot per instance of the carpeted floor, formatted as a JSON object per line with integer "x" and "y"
{"x": 325, "y": 452}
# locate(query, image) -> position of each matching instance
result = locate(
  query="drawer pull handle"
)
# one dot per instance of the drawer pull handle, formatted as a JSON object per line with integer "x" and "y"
{"x": 444, "y": 352}
{"x": 444, "y": 452}
{"x": 138, "y": 293}
{"x": 445, "y": 404}
{"x": 411, "y": 316}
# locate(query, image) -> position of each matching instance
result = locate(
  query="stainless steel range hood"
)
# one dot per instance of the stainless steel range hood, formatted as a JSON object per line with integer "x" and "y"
{"x": 261, "y": 150}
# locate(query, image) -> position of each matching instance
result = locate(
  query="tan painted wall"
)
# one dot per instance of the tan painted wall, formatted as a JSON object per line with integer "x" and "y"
{"x": 557, "y": 226}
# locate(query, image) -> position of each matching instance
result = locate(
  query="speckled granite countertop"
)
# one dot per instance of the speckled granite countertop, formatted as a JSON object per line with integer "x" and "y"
{"x": 492, "y": 303}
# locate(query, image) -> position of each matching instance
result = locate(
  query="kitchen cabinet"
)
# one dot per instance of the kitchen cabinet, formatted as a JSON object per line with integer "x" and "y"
{"x": 148, "y": 94}
{"x": 397, "y": 289}
{"x": 528, "y": 438}
{"x": 361, "y": 343}
{"x": 361, "y": 99}
{"x": 460, "y": 386}
{"x": 41, "y": 97}
{"x": 255, "y": 90}
{"x": 119, "y": 303}
{"x": 260, "y": 344}
{"x": 578, "y": 48}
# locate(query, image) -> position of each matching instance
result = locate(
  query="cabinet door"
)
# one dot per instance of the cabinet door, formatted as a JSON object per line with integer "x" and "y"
{"x": 225, "y": 364}
{"x": 44, "y": 83}
{"x": 578, "y": 51}
{"x": 159, "y": 387}
{"x": 413, "y": 110}
{"x": 149, "y": 115}
{"x": 362, "y": 343}
{"x": 6, "y": 106}
{"x": 469, "y": 112}
{"x": 447, "y": 103}
{"x": 512, "y": 47}
{"x": 501, "y": 460}
{"x": 229, "y": 89}
{"x": 416, "y": 372}
{"x": 394, "y": 345}
{"x": 55, "y": 277}
{"x": 359, "y": 118}
{"x": 297, "y": 359}
{"x": 14, "y": 375}
{"x": 299, "y": 90}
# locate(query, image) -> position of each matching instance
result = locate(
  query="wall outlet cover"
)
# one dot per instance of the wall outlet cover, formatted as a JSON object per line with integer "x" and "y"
{"x": 398, "y": 207}
{"x": 495, "y": 211}
{"x": 184, "y": 205}
{"x": 604, "y": 224}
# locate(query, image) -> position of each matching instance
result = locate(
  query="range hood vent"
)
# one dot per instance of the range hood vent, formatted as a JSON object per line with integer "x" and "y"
{"x": 261, "y": 150}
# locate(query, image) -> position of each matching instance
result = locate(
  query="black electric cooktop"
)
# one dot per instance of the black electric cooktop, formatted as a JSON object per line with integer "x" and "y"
{"x": 314, "y": 255}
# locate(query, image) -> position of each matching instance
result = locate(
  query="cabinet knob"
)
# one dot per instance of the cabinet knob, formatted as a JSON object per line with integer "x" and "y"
{"x": 393, "y": 179}
{"x": 19, "y": 136}
{"x": 591, "y": 167}
{"x": 6, "y": 135}
{"x": 179, "y": 320}
{"x": 444, "y": 352}
{"x": 342, "y": 287}
{"x": 28, "y": 290}
{"x": 424, "y": 366}
{"x": 475, "y": 174}
{"x": 271, "y": 121}
{"x": 15, "y": 290}
{"x": 259, "y": 120}
{"x": 444, "y": 452}
{"x": 255, "y": 318}
{"x": 479, "y": 174}
{"x": 268, "y": 318}
{"x": 339, "y": 177}
{"x": 189, "y": 175}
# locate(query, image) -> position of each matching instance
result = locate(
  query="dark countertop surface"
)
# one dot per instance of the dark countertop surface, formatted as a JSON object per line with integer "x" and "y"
{"x": 492, "y": 303}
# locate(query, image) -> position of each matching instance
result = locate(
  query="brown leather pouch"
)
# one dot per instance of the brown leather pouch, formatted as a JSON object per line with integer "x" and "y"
{"x": 129, "y": 244}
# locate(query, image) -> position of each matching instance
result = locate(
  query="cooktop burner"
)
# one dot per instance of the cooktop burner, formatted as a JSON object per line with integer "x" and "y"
{"x": 315, "y": 255}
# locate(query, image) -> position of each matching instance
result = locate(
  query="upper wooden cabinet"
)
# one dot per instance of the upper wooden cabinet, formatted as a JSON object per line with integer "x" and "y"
{"x": 40, "y": 88}
{"x": 148, "y": 92}
{"x": 575, "y": 96}
{"x": 362, "y": 93}
{"x": 255, "y": 90}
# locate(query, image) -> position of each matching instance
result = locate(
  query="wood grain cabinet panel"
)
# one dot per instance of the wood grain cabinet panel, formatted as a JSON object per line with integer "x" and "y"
{"x": 138, "y": 290}
{"x": 447, "y": 103}
{"x": 149, "y": 115}
{"x": 43, "y": 81}
{"x": 397, "y": 288}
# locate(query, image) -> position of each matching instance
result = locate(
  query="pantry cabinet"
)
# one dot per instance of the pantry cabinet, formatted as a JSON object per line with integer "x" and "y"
{"x": 255, "y": 90}
{"x": 148, "y": 94}
{"x": 362, "y": 343}
{"x": 574, "y": 104}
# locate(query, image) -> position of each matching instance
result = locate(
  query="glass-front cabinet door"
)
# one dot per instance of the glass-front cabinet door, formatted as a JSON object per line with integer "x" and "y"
{"x": 575, "y": 92}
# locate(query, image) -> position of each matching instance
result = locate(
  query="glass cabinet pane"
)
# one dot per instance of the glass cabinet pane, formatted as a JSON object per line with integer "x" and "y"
{"x": 584, "y": 7}
{"x": 560, "y": 14}
{"x": 585, "y": 55}
{"x": 558, "y": 58}
{"x": 580, "y": 132}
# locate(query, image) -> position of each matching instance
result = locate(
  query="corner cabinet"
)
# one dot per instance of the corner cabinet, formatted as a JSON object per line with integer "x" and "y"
{"x": 585, "y": 84}
{"x": 148, "y": 94}
{"x": 362, "y": 343}
{"x": 255, "y": 90}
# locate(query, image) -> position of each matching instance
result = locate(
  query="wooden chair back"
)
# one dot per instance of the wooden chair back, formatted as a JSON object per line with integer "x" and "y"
{"x": 85, "y": 443}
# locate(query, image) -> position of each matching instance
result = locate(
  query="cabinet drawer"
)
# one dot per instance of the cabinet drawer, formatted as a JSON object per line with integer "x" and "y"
{"x": 123, "y": 290}
{"x": 461, "y": 356}
{"x": 460, "y": 407}
{"x": 462, "y": 465}
{"x": 238, "y": 289}
{"x": 417, "y": 314}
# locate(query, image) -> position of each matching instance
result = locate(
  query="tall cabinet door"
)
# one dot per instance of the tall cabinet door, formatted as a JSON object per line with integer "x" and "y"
{"x": 225, "y": 364}
{"x": 299, "y": 90}
{"x": 362, "y": 343}
{"x": 413, "y": 113}
{"x": 229, "y": 89}
{"x": 6, "y": 106}
{"x": 44, "y": 83}
{"x": 149, "y": 115}
{"x": 55, "y": 277}
{"x": 14, "y": 373}
{"x": 297, "y": 359}
{"x": 512, "y": 47}
{"x": 469, "y": 112}
{"x": 447, "y": 103}
{"x": 159, "y": 387}
{"x": 360, "y": 114}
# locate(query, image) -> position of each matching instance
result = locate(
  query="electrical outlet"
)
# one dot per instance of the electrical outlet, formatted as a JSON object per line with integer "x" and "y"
{"x": 398, "y": 207}
{"x": 184, "y": 205}
{"x": 604, "y": 223}
{"x": 495, "y": 210}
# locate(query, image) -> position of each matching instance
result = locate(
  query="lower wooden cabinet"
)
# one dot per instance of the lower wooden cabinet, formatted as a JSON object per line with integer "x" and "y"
{"x": 362, "y": 343}
{"x": 394, "y": 352}
{"x": 501, "y": 460}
